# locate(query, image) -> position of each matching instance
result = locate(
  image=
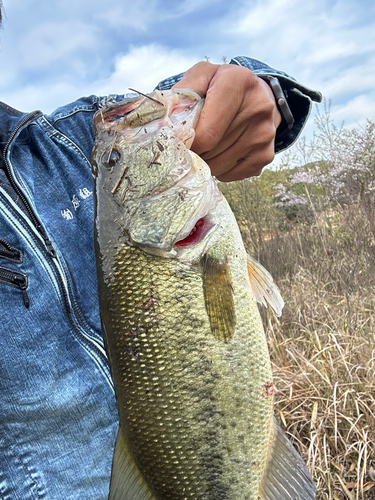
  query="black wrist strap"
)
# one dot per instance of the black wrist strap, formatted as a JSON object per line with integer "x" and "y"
{"x": 282, "y": 104}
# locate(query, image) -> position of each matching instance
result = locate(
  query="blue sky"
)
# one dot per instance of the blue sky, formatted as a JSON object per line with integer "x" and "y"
{"x": 52, "y": 52}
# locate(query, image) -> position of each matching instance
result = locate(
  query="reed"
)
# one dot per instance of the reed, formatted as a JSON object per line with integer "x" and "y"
{"x": 323, "y": 349}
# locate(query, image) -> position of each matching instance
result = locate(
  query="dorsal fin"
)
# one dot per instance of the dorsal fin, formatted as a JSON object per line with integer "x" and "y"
{"x": 218, "y": 297}
{"x": 263, "y": 286}
{"x": 285, "y": 476}
{"x": 127, "y": 482}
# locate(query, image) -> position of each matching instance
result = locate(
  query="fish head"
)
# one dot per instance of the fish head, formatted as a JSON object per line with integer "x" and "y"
{"x": 159, "y": 191}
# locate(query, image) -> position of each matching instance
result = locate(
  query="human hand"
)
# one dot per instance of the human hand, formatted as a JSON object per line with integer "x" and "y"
{"x": 236, "y": 130}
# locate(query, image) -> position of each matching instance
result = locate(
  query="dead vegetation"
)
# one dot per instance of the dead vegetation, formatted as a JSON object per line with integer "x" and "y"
{"x": 311, "y": 223}
{"x": 323, "y": 350}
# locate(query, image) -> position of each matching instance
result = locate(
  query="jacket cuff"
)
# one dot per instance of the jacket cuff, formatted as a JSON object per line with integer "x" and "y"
{"x": 299, "y": 98}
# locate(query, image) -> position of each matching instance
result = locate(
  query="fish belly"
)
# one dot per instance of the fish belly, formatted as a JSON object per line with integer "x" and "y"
{"x": 193, "y": 409}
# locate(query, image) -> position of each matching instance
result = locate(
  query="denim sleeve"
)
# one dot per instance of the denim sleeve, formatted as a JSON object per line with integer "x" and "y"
{"x": 299, "y": 96}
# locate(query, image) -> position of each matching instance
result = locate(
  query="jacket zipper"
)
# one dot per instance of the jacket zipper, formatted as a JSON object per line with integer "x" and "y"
{"x": 74, "y": 317}
{"x": 17, "y": 280}
{"x": 59, "y": 278}
{"x": 10, "y": 253}
{"x": 19, "y": 193}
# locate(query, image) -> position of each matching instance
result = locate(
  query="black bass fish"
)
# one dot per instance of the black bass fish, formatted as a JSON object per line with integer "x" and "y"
{"x": 177, "y": 296}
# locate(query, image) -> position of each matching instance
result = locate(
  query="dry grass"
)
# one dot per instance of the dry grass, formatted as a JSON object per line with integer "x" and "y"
{"x": 323, "y": 350}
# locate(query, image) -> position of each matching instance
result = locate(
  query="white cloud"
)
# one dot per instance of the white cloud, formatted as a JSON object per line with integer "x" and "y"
{"x": 137, "y": 15}
{"x": 301, "y": 35}
{"x": 356, "y": 111}
{"x": 326, "y": 45}
{"x": 45, "y": 97}
{"x": 350, "y": 80}
{"x": 190, "y": 6}
{"x": 143, "y": 67}
{"x": 54, "y": 52}
{"x": 51, "y": 42}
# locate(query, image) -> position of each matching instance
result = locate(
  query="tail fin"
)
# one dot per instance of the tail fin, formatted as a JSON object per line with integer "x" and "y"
{"x": 286, "y": 476}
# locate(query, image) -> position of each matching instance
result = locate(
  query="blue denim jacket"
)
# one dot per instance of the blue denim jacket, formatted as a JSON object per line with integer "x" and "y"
{"x": 58, "y": 417}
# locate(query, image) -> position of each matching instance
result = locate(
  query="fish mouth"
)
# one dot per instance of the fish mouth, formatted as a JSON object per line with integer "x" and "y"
{"x": 189, "y": 245}
{"x": 145, "y": 114}
{"x": 200, "y": 230}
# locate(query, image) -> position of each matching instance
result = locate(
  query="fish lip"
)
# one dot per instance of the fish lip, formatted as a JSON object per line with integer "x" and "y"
{"x": 113, "y": 115}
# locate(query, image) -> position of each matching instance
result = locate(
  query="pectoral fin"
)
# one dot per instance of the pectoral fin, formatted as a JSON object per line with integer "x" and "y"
{"x": 263, "y": 287}
{"x": 286, "y": 476}
{"x": 218, "y": 296}
{"x": 127, "y": 482}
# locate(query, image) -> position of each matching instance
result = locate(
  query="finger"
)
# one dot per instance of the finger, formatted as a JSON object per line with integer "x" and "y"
{"x": 238, "y": 127}
{"x": 198, "y": 77}
{"x": 221, "y": 107}
{"x": 214, "y": 117}
{"x": 230, "y": 88}
{"x": 245, "y": 148}
{"x": 250, "y": 166}
{"x": 227, "y": 114}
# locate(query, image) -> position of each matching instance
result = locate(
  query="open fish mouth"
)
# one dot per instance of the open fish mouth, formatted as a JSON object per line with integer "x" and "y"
{"x": 146, "y": 114}
{"x": 196, "y": 234}
{"x": 164, "y": 190}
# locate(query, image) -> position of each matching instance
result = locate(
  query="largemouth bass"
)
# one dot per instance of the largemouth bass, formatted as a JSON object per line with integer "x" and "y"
{"x": 177, "y": 295}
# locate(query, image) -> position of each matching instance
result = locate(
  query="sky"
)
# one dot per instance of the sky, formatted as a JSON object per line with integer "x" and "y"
{"x": 52, "y": 52}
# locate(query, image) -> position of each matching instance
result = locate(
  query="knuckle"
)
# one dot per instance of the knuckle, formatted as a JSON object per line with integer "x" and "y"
{"x": 241, "y": 74}
{"x": 249, "y": 78}
{"x": 200, "y": 71}
{"x": 207, "y": 140}
{"x": 269, "y": 107}
{"x": 269, "y": 136}
{"x": 265, "y": 110}
{"x": 203, "y": 65}
{"x": 266, "y": 134}
{"x": 265, "y": 157}
{"x": 263, "y": 99}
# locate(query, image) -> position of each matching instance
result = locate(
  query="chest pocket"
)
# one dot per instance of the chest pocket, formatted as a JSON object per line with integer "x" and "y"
{"x": 12, "y": 277}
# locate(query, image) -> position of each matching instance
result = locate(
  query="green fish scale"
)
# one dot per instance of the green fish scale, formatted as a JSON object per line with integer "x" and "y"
{"x": 192, "y": 407}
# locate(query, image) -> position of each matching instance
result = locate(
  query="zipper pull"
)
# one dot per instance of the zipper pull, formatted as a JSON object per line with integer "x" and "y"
{"x": 49, "y": 246}
{"x": 26, "y": 299}
{"x": 21, "y": 282}
{"x": 47, "y": 241}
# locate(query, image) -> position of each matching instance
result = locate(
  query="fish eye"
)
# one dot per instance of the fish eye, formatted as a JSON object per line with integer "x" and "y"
{"x": 110, "y": 158}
